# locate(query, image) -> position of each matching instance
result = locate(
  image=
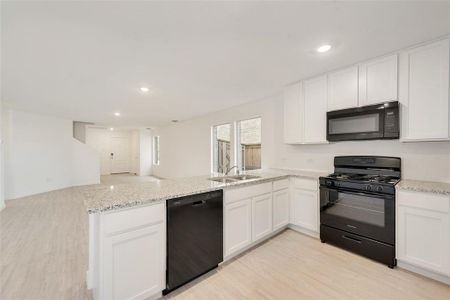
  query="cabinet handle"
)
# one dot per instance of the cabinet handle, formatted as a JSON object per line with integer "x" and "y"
{"x": 199, "y": 203}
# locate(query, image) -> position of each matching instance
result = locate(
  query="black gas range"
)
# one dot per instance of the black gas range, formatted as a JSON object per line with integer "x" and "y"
{"x": 357, "y": 206}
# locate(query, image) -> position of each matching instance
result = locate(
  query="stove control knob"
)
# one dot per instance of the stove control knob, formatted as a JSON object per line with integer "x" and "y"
{"x": 368, "y": 188}
{"x": 379, "y": 188}
{"x": 329, "y": 183}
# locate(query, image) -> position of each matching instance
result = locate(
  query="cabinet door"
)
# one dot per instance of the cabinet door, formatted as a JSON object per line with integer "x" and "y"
{"x": 378, "y": 81}
{"x": 261, "y": 216}
{"x": 130, "y": 272}
{"x": 315, "y": 107}
{"x": 238, "y": 225}
{"x": 293, "y": 115}
{"x": 424, "y": 88}
{"x": 280, "y": 208}
{"x": 343, "y": 89}
{"x": 424, "y": 238}
{"x": 304, "y": 209}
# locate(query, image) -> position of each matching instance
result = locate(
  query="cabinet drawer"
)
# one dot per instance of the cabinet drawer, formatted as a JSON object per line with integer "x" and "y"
{"x": 280, "y": 184}
{"x": 305, "y": 184}
{"x": 247, "y": 192}
{"x": 435, "y": 202}
{"x": 125, "y": 220}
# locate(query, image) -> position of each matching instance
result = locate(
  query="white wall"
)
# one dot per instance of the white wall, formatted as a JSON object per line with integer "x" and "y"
{"x": 2, "y": 160}
{"x": 185, "y": 147}
{"x": 41, "y": 155}
{"x": 85, "y": 164}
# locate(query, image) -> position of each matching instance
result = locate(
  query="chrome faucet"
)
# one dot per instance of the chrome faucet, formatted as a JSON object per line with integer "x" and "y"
{"x": 229, "y": 170}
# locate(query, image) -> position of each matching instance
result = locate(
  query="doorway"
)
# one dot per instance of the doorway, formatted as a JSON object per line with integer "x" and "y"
{"x": 120, "y": 154}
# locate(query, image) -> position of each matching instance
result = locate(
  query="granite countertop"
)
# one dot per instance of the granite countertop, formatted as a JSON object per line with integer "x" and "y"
{"x": 102, "y": 197}
{"x": 424, "y": 186}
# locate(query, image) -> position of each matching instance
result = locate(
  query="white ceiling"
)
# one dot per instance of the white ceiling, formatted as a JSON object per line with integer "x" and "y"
{"x": 87, "y": 60}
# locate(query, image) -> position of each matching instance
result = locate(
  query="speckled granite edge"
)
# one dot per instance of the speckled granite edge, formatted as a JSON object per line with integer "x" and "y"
{"x": 424, "y": 186}
{"x": 102, "y": 198}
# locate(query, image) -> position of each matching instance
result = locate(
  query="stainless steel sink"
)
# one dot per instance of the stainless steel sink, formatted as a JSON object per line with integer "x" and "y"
{"x": 244, "y": 177}
{"x": 223, "y": 179}
{"x": 234, "y": 178}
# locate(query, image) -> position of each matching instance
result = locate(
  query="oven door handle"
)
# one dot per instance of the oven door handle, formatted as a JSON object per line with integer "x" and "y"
{"x": 344, "y": 191}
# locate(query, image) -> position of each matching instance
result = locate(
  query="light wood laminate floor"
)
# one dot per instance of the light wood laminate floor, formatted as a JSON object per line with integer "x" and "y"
{"x": 44, "y": 256}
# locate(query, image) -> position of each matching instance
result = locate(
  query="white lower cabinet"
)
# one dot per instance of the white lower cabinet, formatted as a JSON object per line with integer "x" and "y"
{"x": 248, "y": 217}
{"x": 127, "y": 253}
{"x": 133, "y": 263}
{"x": 423, "y": 231}
{"x": 304, "y": 209}
{"x": 238, "y": 226}
{"x": 305, "y": 204}
{"x": 280, "y": 206}
{"x": 261, "y": 216}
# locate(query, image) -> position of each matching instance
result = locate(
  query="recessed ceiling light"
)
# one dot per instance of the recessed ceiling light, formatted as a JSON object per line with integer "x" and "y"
{"x": 323, "y": 48}
{"x": 111, "y": 129}
{"x": 144, "y": 89}
{"x": 117, "y": 114}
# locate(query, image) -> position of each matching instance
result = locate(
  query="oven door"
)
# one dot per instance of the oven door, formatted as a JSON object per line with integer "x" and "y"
{"x": 366, "y": 214}
{"x": 356, "y": 124}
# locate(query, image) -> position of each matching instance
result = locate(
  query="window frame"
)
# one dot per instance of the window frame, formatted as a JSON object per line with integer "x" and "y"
{"x": 237, "y": 140}
{"x": 156, "y": 150}
{"x": 235, "y": 136}
{"x": 214, "y": 157}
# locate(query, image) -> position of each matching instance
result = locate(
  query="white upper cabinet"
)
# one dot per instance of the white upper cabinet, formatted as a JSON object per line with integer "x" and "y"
{"x": 378, "y": 80}
{"x": 424, "y": 92}
{"x": 293, "y": 111}
{"x": 343, "y": 89}
{"x": 315, "y": 107}
{"x": 305, "y": 112}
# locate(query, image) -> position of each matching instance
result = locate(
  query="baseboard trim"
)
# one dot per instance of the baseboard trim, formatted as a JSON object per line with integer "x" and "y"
{"x": 309, "y": 232}
{"x": 255, "y": 244}
{"x": 423, "y": 272}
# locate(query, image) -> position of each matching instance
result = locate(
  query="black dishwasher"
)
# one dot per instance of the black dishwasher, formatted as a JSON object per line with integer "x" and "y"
{"x": 194, "y": 237}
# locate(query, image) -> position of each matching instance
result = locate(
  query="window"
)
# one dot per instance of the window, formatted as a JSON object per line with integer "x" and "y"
{"x": 221, "y": 142}
{"x": 248, "y": 147}
{"x": 156, "y": 150}
{"x": 245, "y": 140}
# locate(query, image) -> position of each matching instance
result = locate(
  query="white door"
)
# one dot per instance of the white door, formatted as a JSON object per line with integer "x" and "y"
{"x": 129, "y": 271}
{"x": 293, "y": 112}
{"x": 238, "y": 226}
{"x": 378, "y": 80}
{"x": 261, "y": 216}
{"x": 424, "y": 238}
{"x": 120, "y": 154}
{"x": 315, "y": 107}
{"x": 343, "y": 89}
{"x": 304, "y": 209}
{"x": 280, "y": 208}
{"x": 424, "y": 91}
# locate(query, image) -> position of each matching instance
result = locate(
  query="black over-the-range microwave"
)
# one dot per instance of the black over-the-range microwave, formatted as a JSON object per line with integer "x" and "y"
{"x": 380, "y": 121}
